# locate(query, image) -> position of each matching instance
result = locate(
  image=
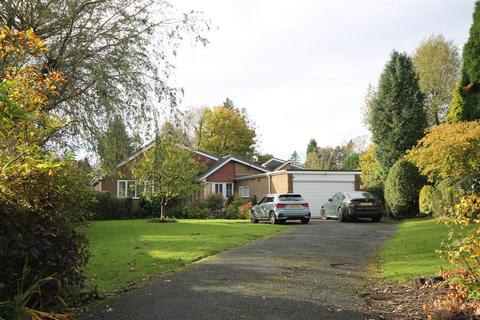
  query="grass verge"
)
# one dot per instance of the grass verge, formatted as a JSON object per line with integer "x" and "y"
{"x": 124, "y": 252}
{"x": 411, "y": 252}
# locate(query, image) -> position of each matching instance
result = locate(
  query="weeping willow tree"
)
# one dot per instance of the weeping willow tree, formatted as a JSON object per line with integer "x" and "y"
{"x": 116, "y": 55}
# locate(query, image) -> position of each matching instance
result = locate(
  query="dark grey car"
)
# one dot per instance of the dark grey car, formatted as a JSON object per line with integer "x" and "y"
{"x": 352, "y": 205}
{"x": 280, "y": 207}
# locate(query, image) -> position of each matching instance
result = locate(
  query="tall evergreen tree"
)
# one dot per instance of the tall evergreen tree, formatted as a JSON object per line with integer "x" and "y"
{"x": 398, "y": 117}
{"x": 466, "y": 105}
{"x": 228, "y": 104}
{"x": 114, "y": 146}
{"x": 295, "y": 158}
{"x": 312, "y": 145}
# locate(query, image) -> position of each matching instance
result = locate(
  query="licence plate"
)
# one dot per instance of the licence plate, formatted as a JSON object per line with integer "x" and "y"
{"x": 294, "y": 206}
{"x": 366, "y": 204}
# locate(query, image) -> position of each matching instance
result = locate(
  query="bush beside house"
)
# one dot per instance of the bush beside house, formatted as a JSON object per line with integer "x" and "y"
{"x": 107, "y": 207}
{"x": 402, "y": 188}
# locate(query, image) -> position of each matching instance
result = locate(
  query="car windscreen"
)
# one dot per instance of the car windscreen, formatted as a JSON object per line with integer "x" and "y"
{"x": 361, "y": 195}
{"x": 290, "y": 197}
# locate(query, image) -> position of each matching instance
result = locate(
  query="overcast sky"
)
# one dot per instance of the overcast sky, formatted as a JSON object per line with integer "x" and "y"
{"x": 301, "y": 68}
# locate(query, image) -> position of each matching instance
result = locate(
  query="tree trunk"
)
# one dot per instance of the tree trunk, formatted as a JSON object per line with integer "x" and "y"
{"x": 162, "y": 209}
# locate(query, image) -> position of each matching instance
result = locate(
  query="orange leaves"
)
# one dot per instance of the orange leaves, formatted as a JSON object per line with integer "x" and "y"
{"x": 15, "y": 45}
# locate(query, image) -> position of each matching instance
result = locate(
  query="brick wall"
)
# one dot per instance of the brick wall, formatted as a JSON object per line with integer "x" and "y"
{"x": 224, "y": 174}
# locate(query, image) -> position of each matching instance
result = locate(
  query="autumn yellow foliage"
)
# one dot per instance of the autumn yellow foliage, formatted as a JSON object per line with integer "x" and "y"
{"x": 448, "y": 151}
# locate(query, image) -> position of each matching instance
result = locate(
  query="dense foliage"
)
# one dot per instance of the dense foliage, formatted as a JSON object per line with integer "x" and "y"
{"x": 168, "y": 171}
{"x": 344, "y": 156}
{"x": 372, "y": 175}
{"x": 402, "y": 188}
{"x": 425, "y": 199}
{"x": 448, "y": 151}
{"x": 116, "y": 54}
{"x": 466, "y": 105}
{"x": 42, "y": 198}
{"x": 114, "y": 146}
{"x": 226, "y": 131}
{"x": 106, "y": 207}
{"x": 397, "y": 115}
{"x": 437, "y": 64}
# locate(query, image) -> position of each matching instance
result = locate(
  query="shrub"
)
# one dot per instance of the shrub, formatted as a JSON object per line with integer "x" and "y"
{"x": 402, "y": 188}
{"x": 372, "y": 174}
{"x": 448, "y": 193}
{"x": 448, "y": 151}
{"x": 245, "y": 210}
{"x": 235, "y": 203}
{"x": 425, "y": 199}
{"x": 215, "y": 201}
{"x": 46, "y": 246}
{"x": 107, "y": 207}
{"x": 470, "y": 184}
{"x": 195, "y": 211}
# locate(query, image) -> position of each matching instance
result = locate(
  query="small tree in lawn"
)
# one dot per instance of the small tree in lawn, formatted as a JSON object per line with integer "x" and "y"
{"x": 171, "y": 168}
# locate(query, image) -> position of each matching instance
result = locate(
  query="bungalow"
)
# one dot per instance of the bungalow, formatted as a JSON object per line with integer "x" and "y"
{"x": 231, "y": 175}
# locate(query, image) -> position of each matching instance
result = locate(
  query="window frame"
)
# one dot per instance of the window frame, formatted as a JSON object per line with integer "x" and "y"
{"x": 241, "y": 191}
{"x": 223, "y": 187}
{"x": 135, "y": 189}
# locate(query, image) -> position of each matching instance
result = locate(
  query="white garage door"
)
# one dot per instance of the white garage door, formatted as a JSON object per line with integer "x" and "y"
{"x": 317, "y": 188}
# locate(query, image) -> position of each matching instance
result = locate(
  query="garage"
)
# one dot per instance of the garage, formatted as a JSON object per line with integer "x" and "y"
{"x": 317, "y": 187}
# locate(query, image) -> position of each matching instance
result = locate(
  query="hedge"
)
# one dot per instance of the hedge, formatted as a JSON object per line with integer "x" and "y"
{"x": 402, "y": 188}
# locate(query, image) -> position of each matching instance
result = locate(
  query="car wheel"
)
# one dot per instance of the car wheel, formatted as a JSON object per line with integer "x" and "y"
{"x": 305, "y": 220}
{"x": 323, "y": 214}
{"x": 273, "y": 219}
{"x": 340, "y": 215}
{"x": 253, "y": 218}
{"x": 377, "y": 218}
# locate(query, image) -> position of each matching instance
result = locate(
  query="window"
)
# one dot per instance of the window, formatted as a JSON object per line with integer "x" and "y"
{"x": 218, "y": 188}
{"x": 129, "y": 188}
{"x": 244, "y": 192}
{"x": 229, "y": 190}
{"x": 122, "y": 188}
{"x": 223, "y": 188}
{"x": 126, "y": 188}
{"x": 290, "y": 197}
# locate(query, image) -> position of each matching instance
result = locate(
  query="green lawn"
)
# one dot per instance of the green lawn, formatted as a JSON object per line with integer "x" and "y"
{"x": 126, "y": 251}
{"x": 412, "y": 251}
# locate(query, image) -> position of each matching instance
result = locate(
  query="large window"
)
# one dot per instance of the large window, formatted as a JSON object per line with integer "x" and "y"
{"x": 130, "y": 189}
{"x": 244, "y": 192}
{"x": 223, "y": 188}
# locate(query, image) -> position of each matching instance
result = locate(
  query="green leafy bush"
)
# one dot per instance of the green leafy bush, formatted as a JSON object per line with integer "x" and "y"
{"x": 425, "y": 199}
{"x": 107, "y": 207}
{"x": 195, "y": 211}
{"x": 46, "y": 245}
{"x": 245, "y": 210}
{"x": 448, "y": 192}
{"x": 215, "y": 201}
{"x": 402, "y": 188}
{"x": 235, "y": 203}
{"x": 470, "y": 184}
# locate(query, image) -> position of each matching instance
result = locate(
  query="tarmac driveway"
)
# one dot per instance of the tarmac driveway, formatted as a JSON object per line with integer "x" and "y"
{"x": 314, "y": 271}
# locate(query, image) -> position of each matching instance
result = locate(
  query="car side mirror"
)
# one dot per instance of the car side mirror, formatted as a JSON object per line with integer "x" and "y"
{"x": 330, "y": 200}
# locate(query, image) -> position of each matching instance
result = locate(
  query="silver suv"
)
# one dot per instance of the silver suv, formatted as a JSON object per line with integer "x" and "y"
{"x": 280, "y": 207}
